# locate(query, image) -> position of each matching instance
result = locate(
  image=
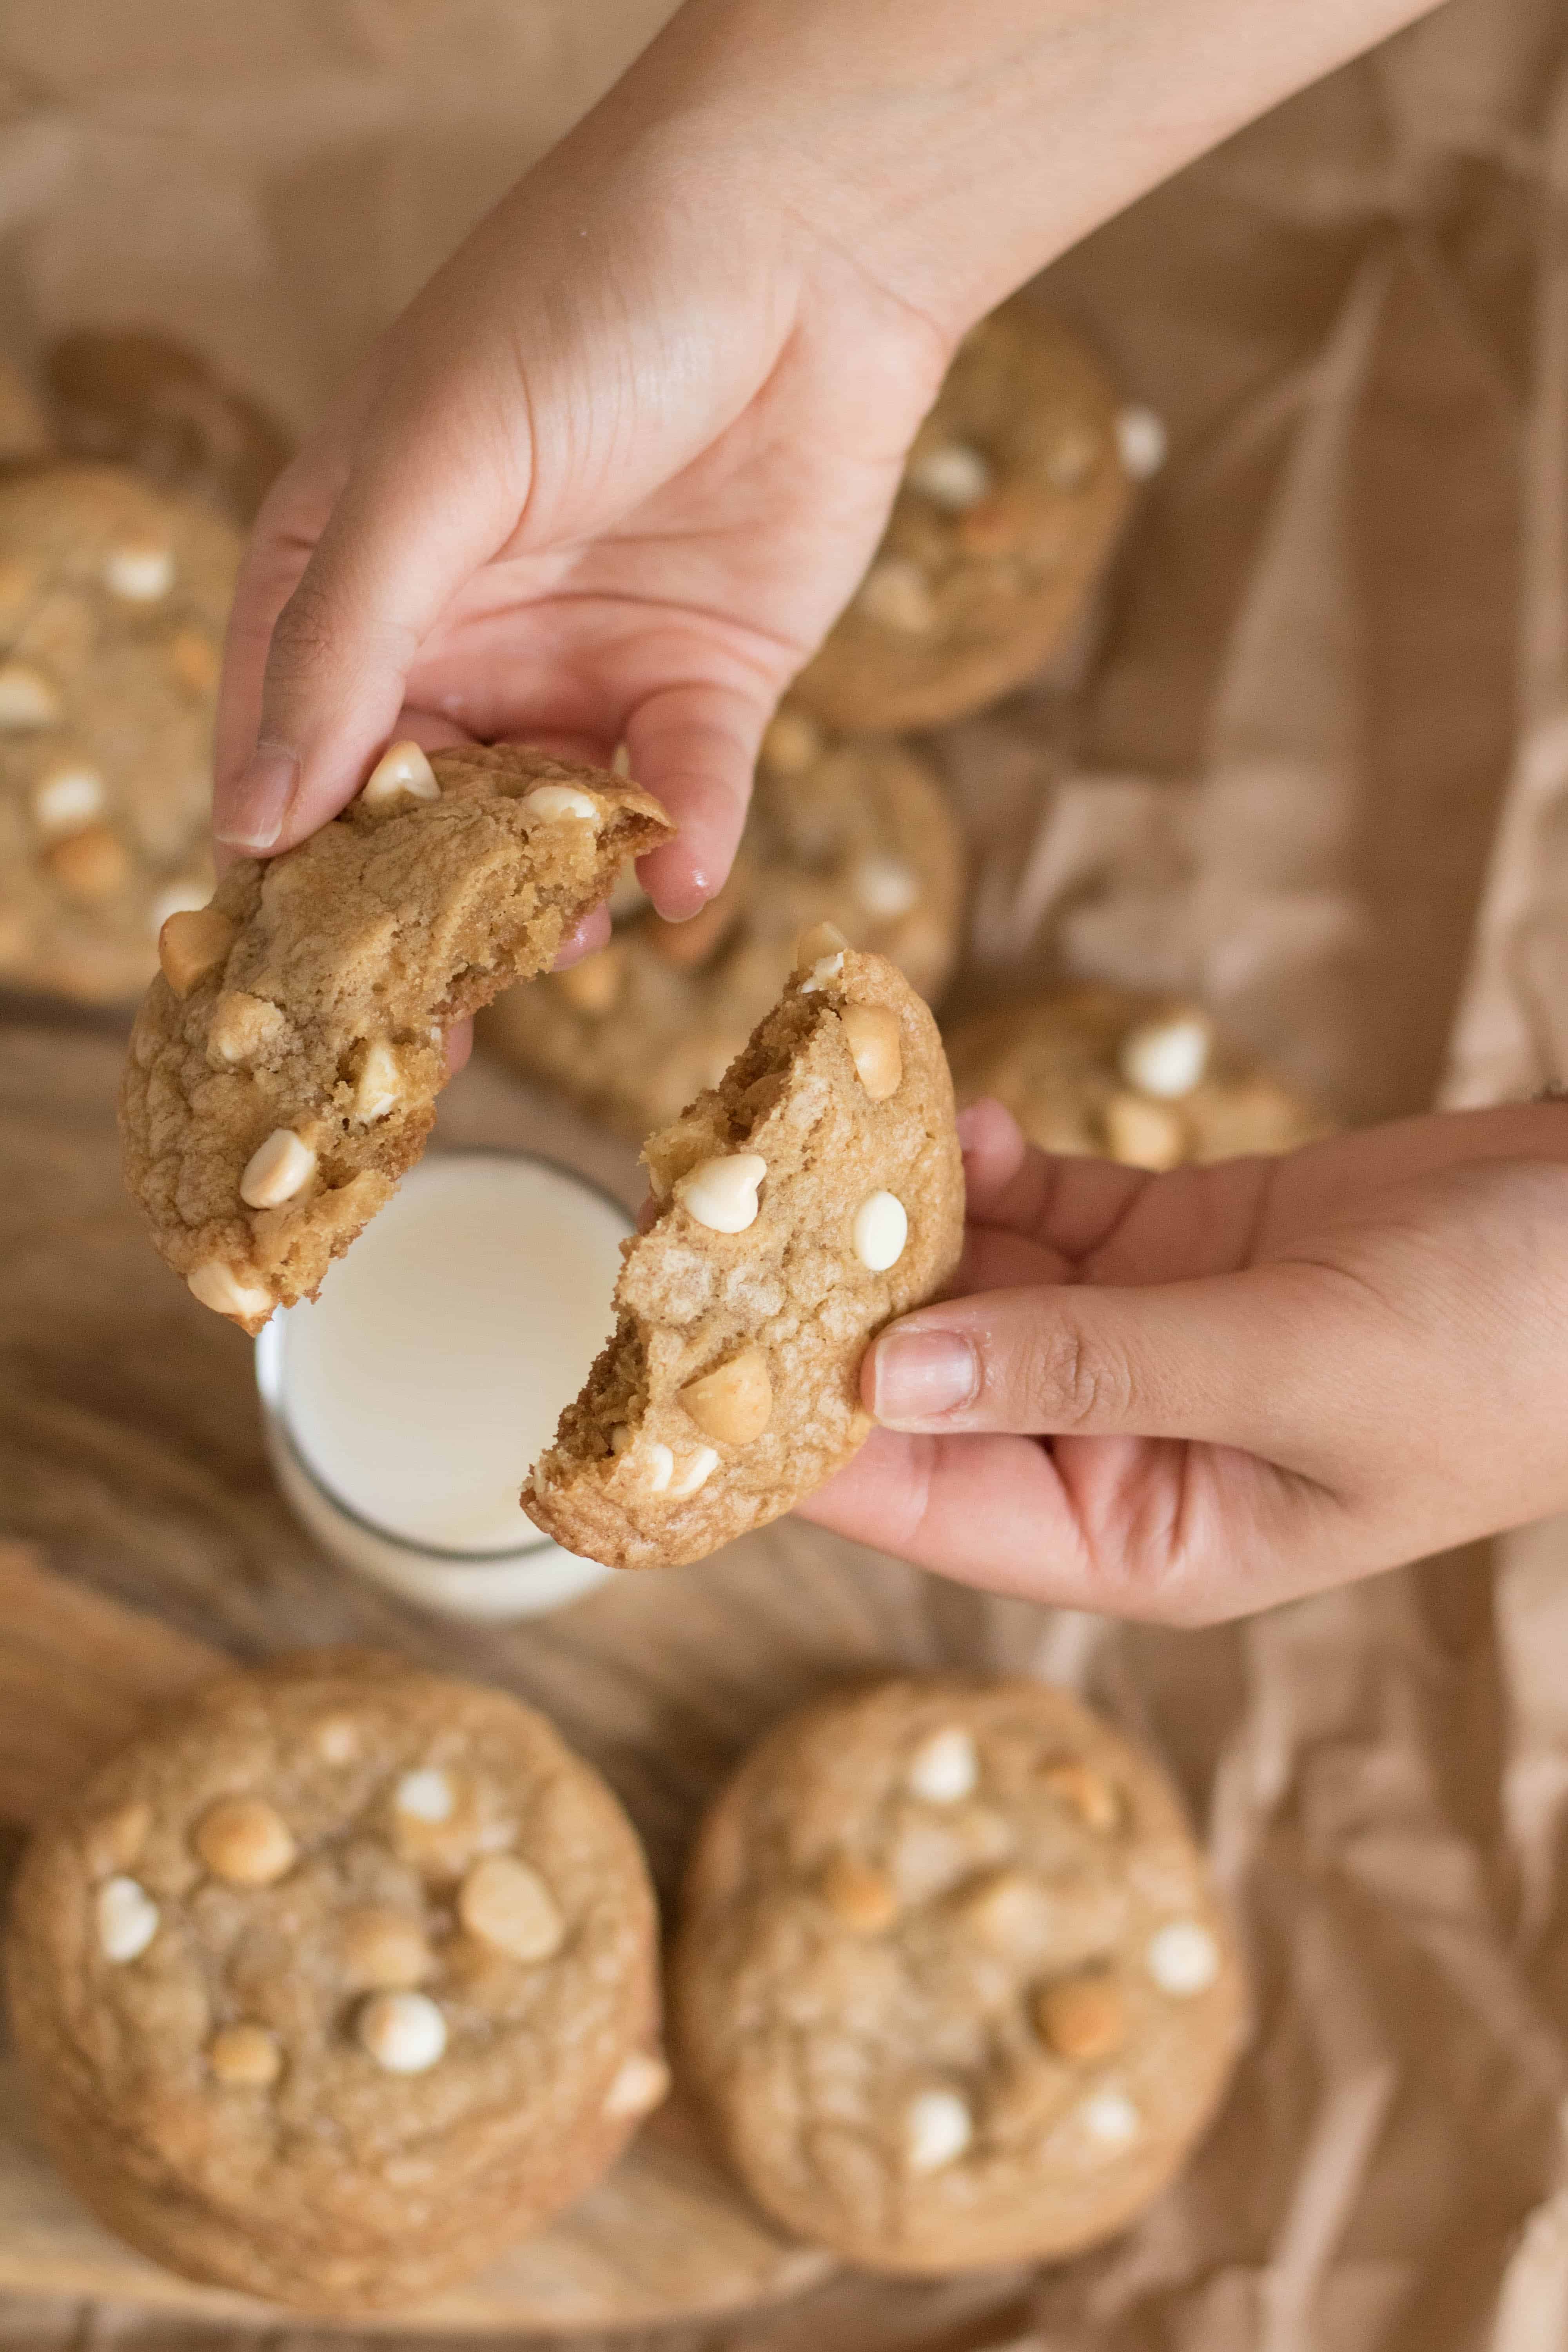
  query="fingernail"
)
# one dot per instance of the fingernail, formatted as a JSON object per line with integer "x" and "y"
{"x": 261, "y": 799}
{"x": 917, "y": 1376}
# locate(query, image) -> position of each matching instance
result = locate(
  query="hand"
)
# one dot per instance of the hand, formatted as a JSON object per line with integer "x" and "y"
{"x": 1184, "y": 1397}
{"x": 617, "y": 469}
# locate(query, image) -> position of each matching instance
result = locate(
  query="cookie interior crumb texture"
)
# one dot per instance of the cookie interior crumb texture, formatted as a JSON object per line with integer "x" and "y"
{"x": 814, "y": 1194}
{"x": 284, "y": 1065}
{"x": 337, "y": 1983}
{"x": 1013, "y": 496}
{"x": 859, "y": 833}
{"x": 950, "y": 1977}
{"x": 1115, "y": 1075}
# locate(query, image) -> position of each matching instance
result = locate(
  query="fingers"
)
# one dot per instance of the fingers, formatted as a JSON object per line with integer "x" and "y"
{"x": 422, "y": 507}
{"x": 694, "y": 746}
{"x": 1266, "y": 1361}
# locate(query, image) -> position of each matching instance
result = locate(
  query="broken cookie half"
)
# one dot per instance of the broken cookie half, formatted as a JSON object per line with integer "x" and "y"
{"x": 284, "y": 1065}
{"x": 812, "y": 1195}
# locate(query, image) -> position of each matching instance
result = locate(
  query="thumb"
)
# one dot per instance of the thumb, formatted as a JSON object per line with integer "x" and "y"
{"x": 1265, "y": 1360}
{"x": 408, "y": 527}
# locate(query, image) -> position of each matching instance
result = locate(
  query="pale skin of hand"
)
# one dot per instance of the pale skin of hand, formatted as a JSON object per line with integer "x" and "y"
{"x": 611, "y": 477}
{"x": 1190, "y": 1396}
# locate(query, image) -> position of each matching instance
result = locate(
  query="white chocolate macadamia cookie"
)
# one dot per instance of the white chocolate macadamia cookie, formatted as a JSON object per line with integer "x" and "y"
{"x": 1012, "y": 499}
{"x": 114, "y": 598}
{"x": 1105, "y": 1071}
{"x": 284, "y": 1065}
{"x": 951, "y": 1977}
{"x": 337, "y": 1983}
{"x": 857, "y": 833}
{"x": 813, "y": 1195}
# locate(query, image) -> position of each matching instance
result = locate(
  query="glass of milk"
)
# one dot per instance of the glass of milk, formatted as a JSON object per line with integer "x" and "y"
{"x": 404, "y": 1407}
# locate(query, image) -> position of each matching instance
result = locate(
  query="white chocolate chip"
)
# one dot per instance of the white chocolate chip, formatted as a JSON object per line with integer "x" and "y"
{"x": 545, "y": 802}
{"x": 140, "y": 575}
{"x": 791, "y": 744}
{"x": 1183, "y": 1958}
{"x": 875, "y": 1047}
{"x": 721, "y": 1193}
{"x": 695, "y": 1472}
{"x": 880, "y": 1229}
{"x": 216, "y": 1285}
{"x": 277, "y": 1170}
{"x": 245, "y": 2057}
{"x": 403, "y": 2031}
{"x": 1166, "y": 1058}
{"x": 402, "y": 773}
{"x": 379, "y": 1085}
{"x": 425, "y": 1795}
{"x": 952, "y": 476}
{"x": 652, "y": 1464}
{"x": 127, "y": 1920}
{"x": 733, "y": 1402}
{"x": 66, "y": 798}
{"x": 822, "y": 939}
{"x": 186, "y": 895}
{"x": 897, "y": 593}
{"x": 26, "y": 699}
{"x": 1110, "y": 2117}
{"x": 938, "y": 2127}
{"x": 245, "y": 1842}
{"x": 1140, "y": 441}
{"x": 507, "y": 1905}
{"x": 945, "y": 1768}
{"x": 885, "y": 885}
{"x": 640, "y": 2082}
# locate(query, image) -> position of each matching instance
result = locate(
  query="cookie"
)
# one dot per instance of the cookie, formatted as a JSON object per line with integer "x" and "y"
{"x": 858, "y": 834}
{"x": 951, "y": 1977}
{"x": 24, "y": 431}
{"x": 1142, "y": 1079}
{"x": 149, "y": 402}
{"x": 816, "y": 1193}
{"x": 1013, "y": 493}
{"x": 114, "y": 598}
{"x": 284, "y": 1064}
{"x": 337, "y": 1983}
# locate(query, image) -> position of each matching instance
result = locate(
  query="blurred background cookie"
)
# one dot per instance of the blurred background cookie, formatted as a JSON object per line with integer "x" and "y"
{"x": 147, "y": 402}
{"x": 1107, "y": 1072}
{"x": 950, "y": 1977}
{"x": 336, "y": 1982}
{"x": 858, "y": 834}
{"x": 24, "y": 429}
{"x": 1011, "y": 499}
{"x": 114, "y": 598}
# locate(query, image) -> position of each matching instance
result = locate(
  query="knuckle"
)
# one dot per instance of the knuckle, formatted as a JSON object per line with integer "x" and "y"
{"x": 1070, "y": 1378}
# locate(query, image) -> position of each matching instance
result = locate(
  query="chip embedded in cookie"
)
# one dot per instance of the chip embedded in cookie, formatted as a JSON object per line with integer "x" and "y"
{"x": 1013, "y": 496}
{"x": 950, "y": 1977}
{"x": 814, "y": 1194}
{"x": 337, "y": 1983}
{"x": 856, "y": 832}
{"x": 284, "y": 1065}
{"x": 113, "y": 599}
{"x": 1114, "y": 1075}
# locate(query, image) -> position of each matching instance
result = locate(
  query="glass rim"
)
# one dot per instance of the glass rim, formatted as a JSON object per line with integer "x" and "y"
{"x": 269, "y": 1369}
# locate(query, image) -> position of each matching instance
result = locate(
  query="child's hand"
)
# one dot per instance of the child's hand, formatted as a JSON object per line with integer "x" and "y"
{"x": 1239, "y": 1383}
{"x": 611, "y": 475}
{"x": 615, "y": 470}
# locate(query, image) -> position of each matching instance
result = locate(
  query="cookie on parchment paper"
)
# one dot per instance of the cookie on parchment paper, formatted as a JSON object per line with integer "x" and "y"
{"x": 285, "y": 1062}
{"x": 813, "y": 1195}
{"x": 337, "y": 1983}
{"x": 951, "y": 1977}
{"x": 1012, "y": 499}
{"x": 113, "y": 600}
{"x": 1115, "y": 1075}
{"x": 858, "y": 832}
